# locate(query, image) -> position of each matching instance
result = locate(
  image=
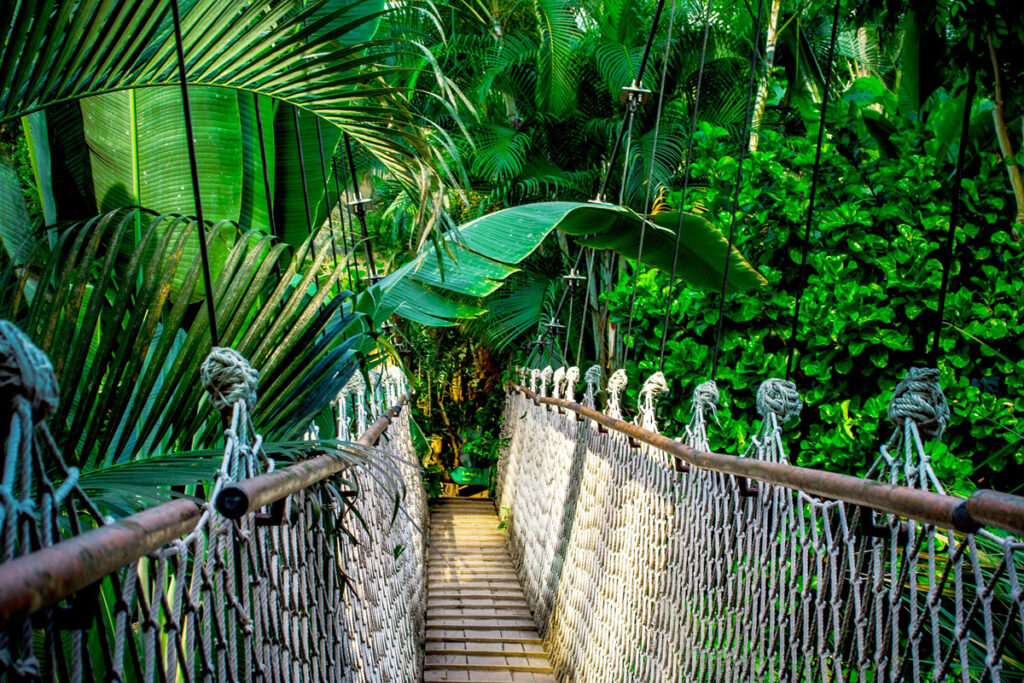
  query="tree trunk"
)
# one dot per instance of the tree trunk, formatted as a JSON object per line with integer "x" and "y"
{"x": 762, "y": 88}
{"x": 1005, "y": 144}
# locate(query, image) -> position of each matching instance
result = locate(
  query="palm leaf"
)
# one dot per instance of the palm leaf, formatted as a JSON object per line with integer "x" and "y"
{"x": 490, "y": 245}
{"x": 302, "y": 55}
{"x": 127, "y": 355}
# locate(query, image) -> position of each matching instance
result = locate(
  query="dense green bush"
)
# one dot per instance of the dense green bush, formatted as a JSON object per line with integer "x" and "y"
{"x": 870, "y": 305}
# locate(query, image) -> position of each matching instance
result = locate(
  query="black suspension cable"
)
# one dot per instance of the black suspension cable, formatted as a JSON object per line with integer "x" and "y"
{"x": 360, "y": 211}
{"x": 305, "y": 190}
{"x": 744, "y": 137}
{"x": 686, "y": 183}
{"x": 650, "y": 180}
{"x": 194, "y": 168}
{"x": 639, "y": 82}
{"x": 327, "y": 192}
{"x": 354, "y": 282}
{"x": 802, "y": 275}
{"x": 266, "y": 178}
{"x": 954, "y": 216}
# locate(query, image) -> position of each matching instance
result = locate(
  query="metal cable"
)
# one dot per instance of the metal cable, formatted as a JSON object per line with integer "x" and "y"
{"x": 686, "y": 182}
{"x": 266, "y": 178}
{"x": 360, "y": 211}
{"x": 650, "y": 178}
{"x": 739, "y": 184}
{"x": 639, "y": 80}
{"x": 802, "y": 275}
{"x": 349, "y": 256}
{"x": 327, "y": 192}
{"x": 194, "y": 168}
{"x": 954, "y": 217}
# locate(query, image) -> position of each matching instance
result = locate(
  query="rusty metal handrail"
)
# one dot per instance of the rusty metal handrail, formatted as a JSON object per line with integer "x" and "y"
{"x": 984, "y": 507}
{"x": 31, "y": 582}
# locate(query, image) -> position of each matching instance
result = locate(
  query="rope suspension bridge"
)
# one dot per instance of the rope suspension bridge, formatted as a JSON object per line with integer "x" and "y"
{"x": 612, "y": 551}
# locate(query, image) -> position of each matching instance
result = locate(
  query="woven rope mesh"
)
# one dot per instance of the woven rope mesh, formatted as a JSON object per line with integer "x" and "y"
{"x": 636, "y": 572}
{"x": 234, "y": 601}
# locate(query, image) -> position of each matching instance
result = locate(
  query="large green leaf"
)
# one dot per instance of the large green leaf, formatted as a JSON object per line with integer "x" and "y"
{"x": 314, "y": 57}
{"x": 15, "y": 226}
{"x": 139, "y": 150}
{"x": 485, "y": 249}
{"x": 128, "y": 359}
{"x": 291, "y": 192}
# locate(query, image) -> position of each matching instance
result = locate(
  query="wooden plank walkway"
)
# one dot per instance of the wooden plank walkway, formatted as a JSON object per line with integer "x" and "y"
{"x": 479, "y": 627}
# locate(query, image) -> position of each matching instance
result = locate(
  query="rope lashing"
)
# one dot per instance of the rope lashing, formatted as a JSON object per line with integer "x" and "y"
{"x": 705, "y": 398}
{"x": 778, "y": 397}
{"x": 229, "y": 378}
{"x": 572, "y": 378}
{"x": 593, "y": 380}
{"x": 545, "y": 378}
{"x": 558, "y": 381}
{"x": 648, "y": 404}
{"x": 919, "y": 397}
{"x": 534, "y": 376}
{"x": 616, "y": 384}
{"x": 26, "y": 372}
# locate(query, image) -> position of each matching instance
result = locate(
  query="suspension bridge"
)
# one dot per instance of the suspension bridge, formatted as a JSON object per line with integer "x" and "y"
{"x": 620, "y": 555}
{"x": 612, "y": 552}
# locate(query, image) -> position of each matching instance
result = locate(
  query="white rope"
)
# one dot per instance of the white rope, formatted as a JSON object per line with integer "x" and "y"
{"x": 635, "y": 572}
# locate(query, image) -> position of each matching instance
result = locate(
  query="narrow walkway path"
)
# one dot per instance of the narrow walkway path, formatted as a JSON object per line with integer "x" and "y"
{"x": 479, "y": 626}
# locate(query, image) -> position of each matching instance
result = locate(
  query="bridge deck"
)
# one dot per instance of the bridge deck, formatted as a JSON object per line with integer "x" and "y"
{"x": 479, "y": 627}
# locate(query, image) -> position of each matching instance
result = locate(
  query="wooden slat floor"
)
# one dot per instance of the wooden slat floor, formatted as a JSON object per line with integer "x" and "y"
{"x": 479, "y": 626}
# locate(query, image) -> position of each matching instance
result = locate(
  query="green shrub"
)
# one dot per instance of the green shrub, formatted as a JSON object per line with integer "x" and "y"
{"x": 870, "y": 304}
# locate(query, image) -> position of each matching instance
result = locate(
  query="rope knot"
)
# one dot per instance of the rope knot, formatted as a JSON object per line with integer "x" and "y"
{"x": 229, "y": 378}
{"x": 778, "y": 397}
{"x": 616, "y": 383}
{"x": 559, "y": 380}
{"x": 705, "y": 396}
{"x": 545, "y": 377}
{"x": 919, "y": 397}
{"x": 572, "y": 377}
{"x": 25, "y": 371}
{"x": 593, "y": 375}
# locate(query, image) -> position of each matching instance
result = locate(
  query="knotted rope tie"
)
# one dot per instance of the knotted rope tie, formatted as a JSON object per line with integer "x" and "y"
{"x": 572, "y": 377}
{"x": 545, "y": 377}
{"x": 229, "y": 378}
{"x": 559, "y": 380}
{"x": 778, "y": 397}
{"x": 26, "y": 372}
{"x": 654, "y": 385}
{"x": 593, "y": 380}
{"x": 919, "y": 397}
{"x": 616, "y": 383}
{"x": 705, "y": 398}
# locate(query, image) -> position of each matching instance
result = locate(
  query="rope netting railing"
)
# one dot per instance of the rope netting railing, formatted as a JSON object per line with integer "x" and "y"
{"x": 645, "y": 558}
{"x": 327, "y": 586}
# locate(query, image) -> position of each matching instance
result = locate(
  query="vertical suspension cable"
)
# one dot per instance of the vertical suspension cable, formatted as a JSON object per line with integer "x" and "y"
{"x": 327, "y": 192}
{"x": 639, "y": 81}
{"x": 360, "y": 211}
{"x": 650, "y": 179}
{"x": 954, "y": 216}
{"x": 802, "y": 274}
{"x": 349, "y": 253}
{"x": 686, "y": 182}
{"x": 266, "y": 178}
{"x": 194, "y": 168}
{"x": 739, "y": 184}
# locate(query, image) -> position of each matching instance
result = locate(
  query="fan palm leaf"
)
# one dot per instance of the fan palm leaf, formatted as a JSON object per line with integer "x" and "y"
{"x": 127, "y": 354}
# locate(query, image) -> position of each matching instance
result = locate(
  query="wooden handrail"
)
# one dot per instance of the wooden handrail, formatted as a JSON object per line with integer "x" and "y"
{"x": 31, "y": 582}
{"x": 984, "y": 507}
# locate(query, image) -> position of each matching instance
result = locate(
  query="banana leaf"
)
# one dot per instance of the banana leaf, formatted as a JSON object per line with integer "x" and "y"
{"x": 478, "y": 256}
